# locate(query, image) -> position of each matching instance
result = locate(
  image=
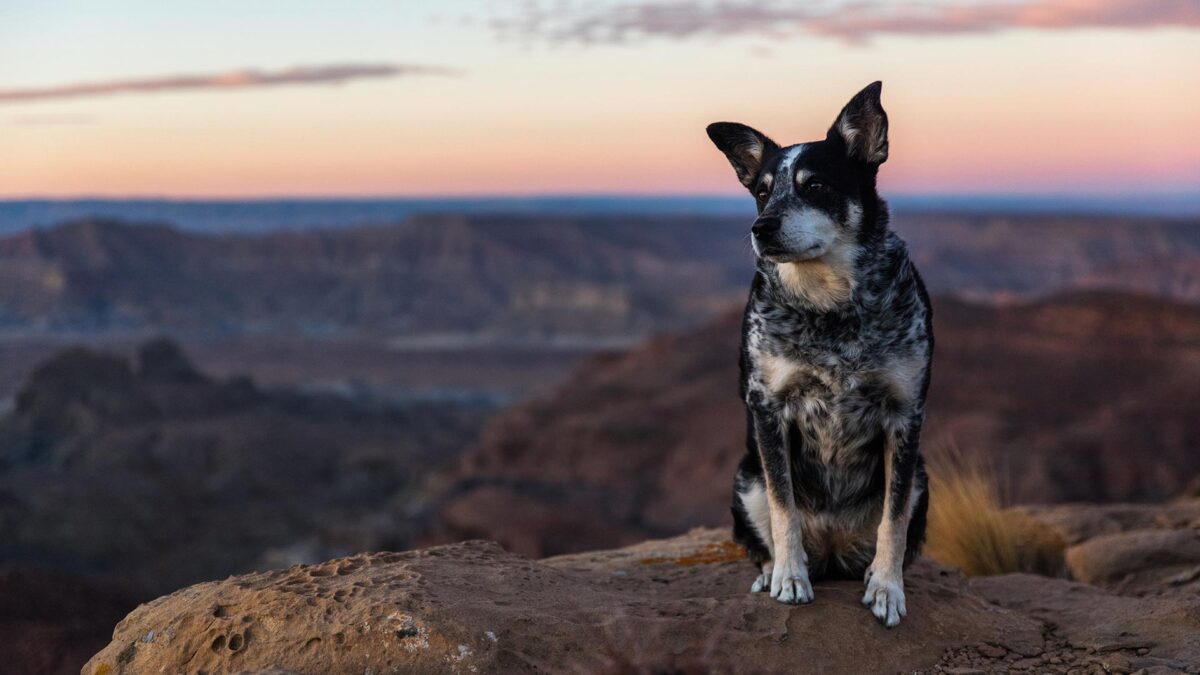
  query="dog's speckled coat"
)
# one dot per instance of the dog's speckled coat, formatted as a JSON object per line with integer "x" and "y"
{"x": 836, "y": 351}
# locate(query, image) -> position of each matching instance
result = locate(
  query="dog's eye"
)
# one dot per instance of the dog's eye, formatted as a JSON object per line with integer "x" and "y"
{"x": 815, "y": 186}
{"x": 762, "y": 192}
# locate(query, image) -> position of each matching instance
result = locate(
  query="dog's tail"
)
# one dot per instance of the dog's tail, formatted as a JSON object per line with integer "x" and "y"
{"x": 969, "y": 529}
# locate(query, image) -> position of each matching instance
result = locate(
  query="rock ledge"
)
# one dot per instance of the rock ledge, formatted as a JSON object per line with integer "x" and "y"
{"x": 678, "y": 604}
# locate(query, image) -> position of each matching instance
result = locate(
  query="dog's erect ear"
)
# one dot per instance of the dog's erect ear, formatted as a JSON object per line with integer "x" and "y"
{"x": 744, "y": 147}
{"x": 863, "y": 126}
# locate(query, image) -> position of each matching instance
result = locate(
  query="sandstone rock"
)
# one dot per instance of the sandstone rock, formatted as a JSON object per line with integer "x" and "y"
{"x": 680, "y": 603}
{"x": 1092, "y": 619}
{"x": 992, "y": 651}
{"x": 1138, "y": 558}
{"x": 1116, "y": 663}
{"x": 1080, "y": 522}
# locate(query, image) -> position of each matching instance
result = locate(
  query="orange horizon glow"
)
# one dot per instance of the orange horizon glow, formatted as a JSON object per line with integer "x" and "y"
{"x": 1084, "y": 111}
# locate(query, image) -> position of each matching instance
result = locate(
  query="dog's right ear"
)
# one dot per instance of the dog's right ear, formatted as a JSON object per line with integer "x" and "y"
{"x": 744, "y": 147}
{"x": 862, "y": 126}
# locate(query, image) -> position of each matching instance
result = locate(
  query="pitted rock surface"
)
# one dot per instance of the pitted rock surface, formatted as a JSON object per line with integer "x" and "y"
{"x": 680, "y": 604}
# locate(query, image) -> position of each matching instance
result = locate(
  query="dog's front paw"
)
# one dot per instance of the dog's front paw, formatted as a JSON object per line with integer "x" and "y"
{"x": 790, "y": 584}
{"x": 885, "y": 597}
{"x": 762, "y": 582}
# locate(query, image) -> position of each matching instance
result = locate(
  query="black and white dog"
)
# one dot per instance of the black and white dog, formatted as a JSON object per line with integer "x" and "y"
{"x": 836, "y": 349}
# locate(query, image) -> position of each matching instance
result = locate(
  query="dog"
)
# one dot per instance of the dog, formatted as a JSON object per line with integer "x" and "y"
{"x": 837, "y": 343}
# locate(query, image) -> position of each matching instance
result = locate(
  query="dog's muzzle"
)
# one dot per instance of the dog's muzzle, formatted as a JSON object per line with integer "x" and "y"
{"x": 765, "y": 229}
{"x": 768, "y": 244}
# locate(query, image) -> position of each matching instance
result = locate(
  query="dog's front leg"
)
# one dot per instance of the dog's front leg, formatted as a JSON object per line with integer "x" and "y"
{"x": 885, "y": 576}
{"x": 789, "y": 575}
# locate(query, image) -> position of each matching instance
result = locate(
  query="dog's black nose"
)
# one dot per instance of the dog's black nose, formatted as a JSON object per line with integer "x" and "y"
{"x": 765, "y": 227}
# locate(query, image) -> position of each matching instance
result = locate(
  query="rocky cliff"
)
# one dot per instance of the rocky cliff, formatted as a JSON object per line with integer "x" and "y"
{"x": 1080, "y": 397}
{"x": 153, "y": 474}
{"x": 678, "y": 606}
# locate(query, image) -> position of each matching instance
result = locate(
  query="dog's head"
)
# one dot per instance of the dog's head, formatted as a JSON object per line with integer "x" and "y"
{"x": 810, "y": 196}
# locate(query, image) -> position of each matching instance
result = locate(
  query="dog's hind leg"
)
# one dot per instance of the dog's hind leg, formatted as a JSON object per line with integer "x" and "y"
{"x": 752, "y": 527}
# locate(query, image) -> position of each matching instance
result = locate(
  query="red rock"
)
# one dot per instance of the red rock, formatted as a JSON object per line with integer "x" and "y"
{"x": 645, "y": 444}
{"x": 472, "y": 607}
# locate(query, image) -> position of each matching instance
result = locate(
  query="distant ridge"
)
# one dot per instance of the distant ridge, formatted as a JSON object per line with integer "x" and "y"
{"x": 522, "y": 279}
{"x": 265, "y": 215}
{"x": 506, "y": 278}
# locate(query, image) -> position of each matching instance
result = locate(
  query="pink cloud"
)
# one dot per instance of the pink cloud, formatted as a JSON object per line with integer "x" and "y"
{"x": 242, "y": 79}
{"x": 855, "y": 21}
{"x": 53, "y": 120}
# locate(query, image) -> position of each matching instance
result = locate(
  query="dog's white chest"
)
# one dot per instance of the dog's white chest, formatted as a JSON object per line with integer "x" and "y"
{"x": 837, "y": 401}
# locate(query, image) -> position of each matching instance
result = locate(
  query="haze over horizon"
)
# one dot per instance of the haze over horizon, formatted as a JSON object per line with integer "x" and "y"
{"x": 134, "y": 98}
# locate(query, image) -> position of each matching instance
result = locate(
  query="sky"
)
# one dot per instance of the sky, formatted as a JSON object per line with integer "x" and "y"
{"x": 141, "y": 98}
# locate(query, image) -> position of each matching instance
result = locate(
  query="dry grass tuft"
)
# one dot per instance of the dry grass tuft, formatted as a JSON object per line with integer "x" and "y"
{"x": 969, "y": 530}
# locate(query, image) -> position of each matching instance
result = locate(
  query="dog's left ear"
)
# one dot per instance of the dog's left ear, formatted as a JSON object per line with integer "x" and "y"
{"x": 862, "y": 127}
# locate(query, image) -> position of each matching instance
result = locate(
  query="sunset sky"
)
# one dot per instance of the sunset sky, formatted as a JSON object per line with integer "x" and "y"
{"x": 281, "y": 98}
